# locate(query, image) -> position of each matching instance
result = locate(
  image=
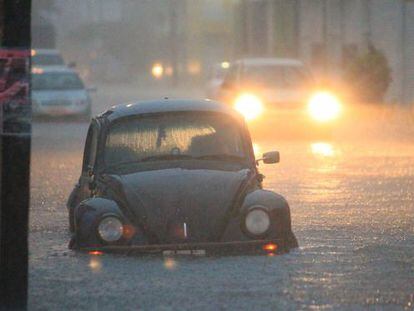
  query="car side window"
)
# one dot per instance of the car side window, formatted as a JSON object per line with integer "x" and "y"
{"x": 91, "y": 144}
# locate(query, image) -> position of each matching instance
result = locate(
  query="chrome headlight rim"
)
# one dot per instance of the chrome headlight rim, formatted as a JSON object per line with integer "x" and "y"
{"x": 244, "y": 228}
{"x": 120, "y": 233}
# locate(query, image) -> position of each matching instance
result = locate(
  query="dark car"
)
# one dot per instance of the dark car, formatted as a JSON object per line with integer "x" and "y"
{"x": 175, "y": 176}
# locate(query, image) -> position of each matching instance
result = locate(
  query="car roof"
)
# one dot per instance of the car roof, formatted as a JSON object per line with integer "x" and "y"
{"x": 52, "y": 69}
{"x": 266, "y": 61}
{"x": 47, "y": 51}
{"x": 169, "y": 105}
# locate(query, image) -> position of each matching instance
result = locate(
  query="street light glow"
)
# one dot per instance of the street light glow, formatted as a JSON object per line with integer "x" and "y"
{"x": 157, "y": 70}
{"x": 225, "y": 65}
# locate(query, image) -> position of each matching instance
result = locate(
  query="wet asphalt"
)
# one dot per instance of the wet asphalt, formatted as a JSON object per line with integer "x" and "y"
{"x": 352, "y": 205}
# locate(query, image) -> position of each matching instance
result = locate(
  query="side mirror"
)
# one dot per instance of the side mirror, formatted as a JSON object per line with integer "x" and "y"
{"x": 270, "y": 157}
{"x": 72, "y": 64}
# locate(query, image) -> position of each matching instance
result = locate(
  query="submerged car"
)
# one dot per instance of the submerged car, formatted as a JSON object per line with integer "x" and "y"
{"x": 175, "y": 176}
{"x": 59, "y": 91}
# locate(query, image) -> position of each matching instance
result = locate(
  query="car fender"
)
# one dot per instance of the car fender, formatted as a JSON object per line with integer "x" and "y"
{"x": 276, "y": 205}
{"x": 279, "y": 211}
{"x": 87, "y": 215}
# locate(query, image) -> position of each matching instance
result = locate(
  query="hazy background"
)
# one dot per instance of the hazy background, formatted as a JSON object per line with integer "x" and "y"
{"x": 119, "y": 41}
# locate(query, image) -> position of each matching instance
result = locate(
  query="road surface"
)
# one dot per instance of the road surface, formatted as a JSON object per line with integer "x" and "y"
{"x": 352, "y": 203}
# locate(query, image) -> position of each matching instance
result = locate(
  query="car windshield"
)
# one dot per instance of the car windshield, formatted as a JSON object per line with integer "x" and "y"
{"x": 174, "y": 136}
{"x": 279, "y": 76}
{"x": 56, "y": 81}
{"x": 47, "y": 60}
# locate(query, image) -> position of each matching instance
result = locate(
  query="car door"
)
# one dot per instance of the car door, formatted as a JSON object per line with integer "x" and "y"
{"x": 82, "y": 189}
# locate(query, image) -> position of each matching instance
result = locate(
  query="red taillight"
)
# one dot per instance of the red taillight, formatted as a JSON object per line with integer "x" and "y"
{"x": 96, "y": 253}
{"x": 270, "y": 247}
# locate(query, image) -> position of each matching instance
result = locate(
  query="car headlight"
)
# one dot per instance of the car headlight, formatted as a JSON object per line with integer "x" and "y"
{"x": 257, "y": 222}
{"x": 110, "y": 229}
{"x": 249, "y": 105}
{"x": 324, "y": 106}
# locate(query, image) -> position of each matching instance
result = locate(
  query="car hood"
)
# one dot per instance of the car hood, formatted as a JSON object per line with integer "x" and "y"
{"x": 180, "y": 205}
{"x": 275, "y": 95}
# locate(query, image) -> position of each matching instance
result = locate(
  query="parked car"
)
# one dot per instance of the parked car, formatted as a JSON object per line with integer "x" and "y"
{"x": 280, "y": 89}
{"x": 175, "y": 176}
{"x": 46, "y": 57}
{"x": 59, "y": 92}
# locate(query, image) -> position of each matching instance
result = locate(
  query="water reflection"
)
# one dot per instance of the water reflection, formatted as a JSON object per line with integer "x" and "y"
{"x": 170, "y": 263}
{"x": 322, "y": 149}
{"x": 95, "y": 264}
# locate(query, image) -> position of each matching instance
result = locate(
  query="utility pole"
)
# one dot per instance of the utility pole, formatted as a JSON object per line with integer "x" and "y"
{"x": 174, "y": 40}
{"x": 403, "y": 96}
{"x": 325, "y": 36}
{"x": 368, "y": 31}
{"x": 270, "y": 24}
{"x": 298, "y": 19}
{"x": 15, "y": 169}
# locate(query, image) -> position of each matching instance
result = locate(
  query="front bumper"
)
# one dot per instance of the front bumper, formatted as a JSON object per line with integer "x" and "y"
{"x": 220, "y": 248}
{"x": 60, "y": 111}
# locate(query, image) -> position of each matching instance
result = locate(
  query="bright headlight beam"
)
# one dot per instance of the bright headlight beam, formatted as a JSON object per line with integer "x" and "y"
{"x": 324, "y": 106}
{"x": 249, "y": 105}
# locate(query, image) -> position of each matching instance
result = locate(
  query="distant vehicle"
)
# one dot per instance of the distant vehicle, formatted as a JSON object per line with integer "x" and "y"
{"x": 216, "y": 78}
{"x": 175, "y": 176}
{"x": 59, "y": 91}
{"x": 48, "y": 57}
{"x": 261, "y": 86}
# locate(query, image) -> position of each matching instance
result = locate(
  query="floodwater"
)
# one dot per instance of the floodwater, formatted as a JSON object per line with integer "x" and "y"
{"x": 352, "y": 205}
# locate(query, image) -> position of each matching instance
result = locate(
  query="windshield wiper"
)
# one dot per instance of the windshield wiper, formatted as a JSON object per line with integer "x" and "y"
{"x": 166, "y": 157}
{"x": 222, "y": 157}
{"x": 151, "y": 158}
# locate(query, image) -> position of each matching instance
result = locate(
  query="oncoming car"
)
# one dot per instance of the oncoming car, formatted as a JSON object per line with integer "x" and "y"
{"x": 283, "y": 90}
{"x": 59, "y": 92}
{"x": 175, "y": 176}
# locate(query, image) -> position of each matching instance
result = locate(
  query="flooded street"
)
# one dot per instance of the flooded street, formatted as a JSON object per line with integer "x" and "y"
{"x": 352, "y": 205}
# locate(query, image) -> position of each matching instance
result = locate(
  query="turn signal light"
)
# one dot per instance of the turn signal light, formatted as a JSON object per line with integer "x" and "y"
{"x": 270, "y": 247}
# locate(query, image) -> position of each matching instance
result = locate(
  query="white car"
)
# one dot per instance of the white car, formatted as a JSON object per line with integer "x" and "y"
{"x": 59, "y": 92}
{"x": 261, "y": 86}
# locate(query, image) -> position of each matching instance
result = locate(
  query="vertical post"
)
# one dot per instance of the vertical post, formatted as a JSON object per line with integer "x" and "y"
{"x": 403, "y": 96}
{"x": 298, "y": 25}
{"x": 173, "y": 40}
{"x": 270, "y": 23}
{"x": 368, "y": 32}
{"x": 325, "y": 36}
{"x": 15, "y": 151}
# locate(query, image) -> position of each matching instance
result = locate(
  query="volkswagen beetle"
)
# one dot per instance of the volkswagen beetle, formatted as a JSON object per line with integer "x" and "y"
{"x": 175, "y": 176}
